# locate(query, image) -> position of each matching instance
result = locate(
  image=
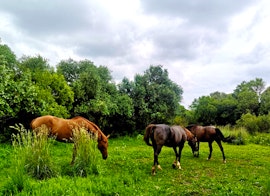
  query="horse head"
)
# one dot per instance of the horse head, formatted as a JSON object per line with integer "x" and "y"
{"x": 192, "y": 141}
{"x": 103, "y": 145}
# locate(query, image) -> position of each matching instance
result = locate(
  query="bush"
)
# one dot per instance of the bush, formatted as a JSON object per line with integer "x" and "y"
{"x": 255, "y": 124}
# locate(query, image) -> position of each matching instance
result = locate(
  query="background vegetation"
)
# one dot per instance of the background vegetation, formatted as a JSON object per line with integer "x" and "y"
{"x": 30, "y": 87}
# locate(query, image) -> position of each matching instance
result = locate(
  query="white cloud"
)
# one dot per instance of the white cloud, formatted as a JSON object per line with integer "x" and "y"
{"x": 206, "y": 46}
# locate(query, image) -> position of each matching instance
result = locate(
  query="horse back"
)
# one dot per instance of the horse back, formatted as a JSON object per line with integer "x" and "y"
{"x": 178, "y": 135}
{"x": 160, "y": 134}
{"x": 204, "y": 133}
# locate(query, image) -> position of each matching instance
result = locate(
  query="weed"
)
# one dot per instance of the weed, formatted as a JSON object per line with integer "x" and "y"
{"x": 85, "y": 153}
{"x": 33, "y": 152}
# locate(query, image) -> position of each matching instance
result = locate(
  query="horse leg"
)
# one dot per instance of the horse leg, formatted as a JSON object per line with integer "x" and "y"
{"x": 175, "y": 163}
{"x": 221, "y": 148}
{"x": 210, "y": 150}
{"x": 157, "y": 149}
{"x": 181, "y": 146}
{"x": 198, "y": 152}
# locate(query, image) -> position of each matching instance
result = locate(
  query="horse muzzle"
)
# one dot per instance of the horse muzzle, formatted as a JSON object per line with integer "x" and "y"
{"x": 104, "y": 157}
{"x": 196, "y": 153}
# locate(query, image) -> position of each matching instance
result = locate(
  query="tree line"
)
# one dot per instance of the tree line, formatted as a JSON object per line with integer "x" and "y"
{"x": 31, "y": 87}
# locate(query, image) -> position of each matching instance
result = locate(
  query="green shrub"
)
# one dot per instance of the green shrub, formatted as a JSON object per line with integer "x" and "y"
{"x": 248, "y": 121}
{"x": 254, "y": 123}
{"x": 85, "y": 153}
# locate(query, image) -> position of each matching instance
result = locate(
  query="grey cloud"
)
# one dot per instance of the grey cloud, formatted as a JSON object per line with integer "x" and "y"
{"x": 207, "y": 13}
{"x": 48, "y": 17}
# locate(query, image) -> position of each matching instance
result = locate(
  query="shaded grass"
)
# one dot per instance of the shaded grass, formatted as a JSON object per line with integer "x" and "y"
{"x": 127, "y": 171}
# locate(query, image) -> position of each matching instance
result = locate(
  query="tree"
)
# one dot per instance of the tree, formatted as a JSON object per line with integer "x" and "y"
{"x": 155, "y": 97}
{"x": 205, "y": 110}
{"x": 248, "y": 95}
{"x": 54, "y": 96}
{"x": 96, "y": 96}
{"x": 7, "y": 57}
{"x": 265, "y": 102}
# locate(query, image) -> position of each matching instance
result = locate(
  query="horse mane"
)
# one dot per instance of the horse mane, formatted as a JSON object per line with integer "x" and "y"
{"x": 190, "y": 135}
{"x": 100, "y": 133}
{"x": 148, "y": 131}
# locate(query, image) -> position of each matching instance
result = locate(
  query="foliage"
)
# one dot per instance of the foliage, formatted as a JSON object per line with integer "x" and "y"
{"x": 96, "y": 96}
{"x": 127, "y": 171}
{"x": 54, "y": 96}
{"x": 7, "y": 57}
{"x": 155, "y": 97}
{"x": 255, "y": 124}
{"x": 30, "y": 87}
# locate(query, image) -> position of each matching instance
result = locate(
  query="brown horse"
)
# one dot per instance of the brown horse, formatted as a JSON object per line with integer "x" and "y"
{"x": 63, "y": 129}
{"x": 164, "y": 135}
{"x": 208, "y": 134}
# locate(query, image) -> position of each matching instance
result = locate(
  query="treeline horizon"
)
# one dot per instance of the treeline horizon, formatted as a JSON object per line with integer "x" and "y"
{"x": 30, "y": 87}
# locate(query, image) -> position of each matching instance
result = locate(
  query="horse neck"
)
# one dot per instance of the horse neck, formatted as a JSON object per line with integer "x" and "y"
{"x": 100, "y": 134}
{"x": 189, "y": 135}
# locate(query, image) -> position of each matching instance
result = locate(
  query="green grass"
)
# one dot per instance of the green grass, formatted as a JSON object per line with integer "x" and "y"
{"x": 127, "y": 171}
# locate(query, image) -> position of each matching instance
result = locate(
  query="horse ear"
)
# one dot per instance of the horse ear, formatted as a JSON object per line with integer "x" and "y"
{"x": 108, "y": 136}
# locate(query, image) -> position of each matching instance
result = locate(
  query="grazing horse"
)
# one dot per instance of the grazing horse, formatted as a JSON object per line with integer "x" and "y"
{"x": 63, "y": 130}
{"x": 208, "y": 134}
{"x": 164, "y": 135}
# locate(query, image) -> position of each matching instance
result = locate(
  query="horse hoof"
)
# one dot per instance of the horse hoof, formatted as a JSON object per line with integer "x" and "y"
{"x": 159, "y": 167}
{"x": 173, "y": 165}
{"x": 224, "y": 161}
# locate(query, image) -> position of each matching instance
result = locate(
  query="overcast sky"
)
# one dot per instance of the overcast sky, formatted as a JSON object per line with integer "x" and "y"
{"x": 206, "y": 45}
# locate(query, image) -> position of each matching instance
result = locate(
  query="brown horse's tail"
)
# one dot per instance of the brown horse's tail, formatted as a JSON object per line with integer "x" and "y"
{"x": 221, "y": 136}
{"x": 148, "y": 132}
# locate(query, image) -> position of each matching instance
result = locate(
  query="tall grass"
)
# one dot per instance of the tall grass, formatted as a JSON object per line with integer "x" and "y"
{"x": 84, "y": 153}
{"x": 238, "y": 135}
{"x": 34, "y": 152}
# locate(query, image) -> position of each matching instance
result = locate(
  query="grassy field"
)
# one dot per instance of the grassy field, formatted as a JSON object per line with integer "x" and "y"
{"x": 127, "y": 171}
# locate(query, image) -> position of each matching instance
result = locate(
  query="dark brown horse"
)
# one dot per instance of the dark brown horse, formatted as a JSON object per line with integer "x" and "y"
{"x": 208, "y": 134}
{"x": 164, "y": 135}
{"x": 63, "y": 129}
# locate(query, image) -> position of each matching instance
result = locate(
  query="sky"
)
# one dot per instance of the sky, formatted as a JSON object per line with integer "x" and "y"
{"x": 205, "y": 45}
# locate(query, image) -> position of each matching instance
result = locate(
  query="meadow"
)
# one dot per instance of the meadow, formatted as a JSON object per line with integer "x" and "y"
{"x": 127, "y": 171}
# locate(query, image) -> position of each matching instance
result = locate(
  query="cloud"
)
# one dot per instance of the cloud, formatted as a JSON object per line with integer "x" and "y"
{"x": 206, "y": 46}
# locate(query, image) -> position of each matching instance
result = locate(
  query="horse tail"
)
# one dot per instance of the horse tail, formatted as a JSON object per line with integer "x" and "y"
{"x": 221, "y": 136}
{"x": 148, "y": 132}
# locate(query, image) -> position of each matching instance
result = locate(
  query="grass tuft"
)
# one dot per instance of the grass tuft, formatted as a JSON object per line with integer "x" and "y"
{"x": 85, "y": 149}
{"x": 33, "y": 151}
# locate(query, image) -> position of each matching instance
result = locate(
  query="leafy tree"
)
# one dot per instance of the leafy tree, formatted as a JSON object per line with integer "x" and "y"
{"x": 265, "y": 102}
{"x": 54, "y": 96}
{"x": 155, "y": 97}
{"x": 7, "y": 57}
{"x": 248, "y": 95}
{"x": 205, "y": 110}
{"x": 96, "y": 96}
